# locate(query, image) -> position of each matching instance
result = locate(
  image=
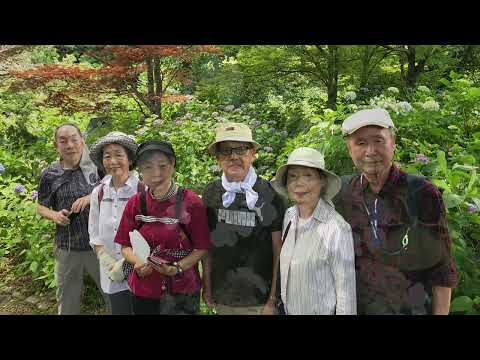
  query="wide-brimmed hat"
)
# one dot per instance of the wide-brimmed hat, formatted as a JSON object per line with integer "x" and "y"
{"x": 377, "y": 117}
{"x": 114, "y": 137}
{"x": 311, "y": 158}
{"x": 232, "y": 132}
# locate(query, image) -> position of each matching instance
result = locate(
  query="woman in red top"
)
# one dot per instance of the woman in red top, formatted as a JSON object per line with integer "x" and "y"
{"x": 172, "y": 287}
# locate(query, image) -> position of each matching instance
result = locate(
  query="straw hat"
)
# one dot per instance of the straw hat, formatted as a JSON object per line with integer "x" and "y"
{"x": 232, "y": 132}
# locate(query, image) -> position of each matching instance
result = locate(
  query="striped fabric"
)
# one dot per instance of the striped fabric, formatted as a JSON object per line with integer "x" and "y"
{"x": 151, "y": 219}
{"x": 317, "y": 264}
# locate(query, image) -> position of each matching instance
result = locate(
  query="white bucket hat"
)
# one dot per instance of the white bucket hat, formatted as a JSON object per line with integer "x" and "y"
{"x": 114, "y": 137}
{"x": 377, "y": 117}
{"x": 312, "y": 158}
{"x": 232, "y": 132}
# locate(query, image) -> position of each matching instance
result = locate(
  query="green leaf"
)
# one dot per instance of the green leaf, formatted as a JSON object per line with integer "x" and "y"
{"x": 442, "y": 162}
{"x": 462, "y": 304}
{"x": 474, "y": 92}
{"x": 452, "y": 200}
{"x": 34, "y": 266}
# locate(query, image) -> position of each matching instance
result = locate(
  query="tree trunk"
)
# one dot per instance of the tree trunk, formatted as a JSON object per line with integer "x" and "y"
{"x": 364, "y": 66}
{"x": 158, "y": 86}
{"x": 332, "y": 82}
{"x": 150, "y": 85}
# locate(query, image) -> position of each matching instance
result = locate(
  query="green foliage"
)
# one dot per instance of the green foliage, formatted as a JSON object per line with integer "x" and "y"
{"x": 280, "y": 92}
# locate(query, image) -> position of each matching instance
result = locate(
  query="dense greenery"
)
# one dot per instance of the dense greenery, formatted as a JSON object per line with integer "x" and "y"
{"x": 290, "y": 96}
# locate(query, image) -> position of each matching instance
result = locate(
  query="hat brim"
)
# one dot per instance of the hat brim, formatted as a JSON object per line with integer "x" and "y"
{"x": 362, "y": 126}
{"x": 211, "y": 147}
{"x": 334, "y": 183}
{"x": 97, "y": 148}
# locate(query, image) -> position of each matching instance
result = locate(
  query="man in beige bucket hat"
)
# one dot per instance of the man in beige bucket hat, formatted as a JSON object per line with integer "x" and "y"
{"x": 402, "y": 245}
{"x": 317, "y": 258}
{"x": 245, "y": 220}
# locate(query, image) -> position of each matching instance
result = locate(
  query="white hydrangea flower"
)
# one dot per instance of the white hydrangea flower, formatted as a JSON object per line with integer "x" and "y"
{"x": 328, "y": 111}
{"x": 404, "y": 106}
{"x": 229, "y": 108}
{"x": 188, "y": 115}
{"x": 423, "y": 88}
{"x": 215, "y": 114}
{"x": 157, "y": 122}
{"x": 431, "y": 105}
{"x": 350, "y": 96}
{"x": 393, "y": 90}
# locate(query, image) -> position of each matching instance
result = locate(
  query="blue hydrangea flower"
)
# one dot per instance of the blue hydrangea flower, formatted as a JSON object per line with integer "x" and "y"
{"x": 422, "y": 159}
{"x": 34, "y": 195}
{"x": 2, "y": 169}
{"x": 472, "y": 208}
{"x": 19, "y": 189}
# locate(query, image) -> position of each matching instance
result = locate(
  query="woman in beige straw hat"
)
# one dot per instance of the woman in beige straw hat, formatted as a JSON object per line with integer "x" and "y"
{"x": 317, "y": 257}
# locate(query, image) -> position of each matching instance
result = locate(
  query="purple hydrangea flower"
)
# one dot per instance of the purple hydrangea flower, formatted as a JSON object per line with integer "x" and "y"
{"x": 472, "y": 208}
{"x": 2, "y": 169}
{"x": 422, "y": 159}
{"x": 19, "y": 189}
{"x": 257, "y": 123}
{"x": 34, "y": 195}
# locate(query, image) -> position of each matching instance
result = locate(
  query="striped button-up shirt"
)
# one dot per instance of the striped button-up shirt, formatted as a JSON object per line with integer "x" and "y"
{"x": 104, "y": 221}
{"x": 317, "y": 264}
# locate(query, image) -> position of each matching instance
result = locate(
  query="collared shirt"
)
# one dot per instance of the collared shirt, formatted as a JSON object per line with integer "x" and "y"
{"x": 317, "y": 264}
{"x": 403, "y": 256}
{"x": 165, "y": 236}
{"x": 104, "y": 221}
{"x": 59, "y": 188}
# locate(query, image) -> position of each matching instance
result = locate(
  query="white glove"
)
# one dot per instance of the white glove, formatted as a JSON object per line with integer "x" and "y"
{"x": 106, "y": 260}
{"x": 116, "y": 274}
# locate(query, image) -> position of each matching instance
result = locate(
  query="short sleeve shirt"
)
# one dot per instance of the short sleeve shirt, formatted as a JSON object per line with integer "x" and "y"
{"x": 242, "y": 257}
{"x": 162, "y": 235}
{"x": 59, "y": 188}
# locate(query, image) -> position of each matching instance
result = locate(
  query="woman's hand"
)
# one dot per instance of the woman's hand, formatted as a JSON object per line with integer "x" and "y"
{"x": 166, "y": 270}
{"x": 143, "y": 269}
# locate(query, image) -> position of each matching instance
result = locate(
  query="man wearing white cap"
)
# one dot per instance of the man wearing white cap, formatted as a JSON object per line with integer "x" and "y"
{"x": 402, "y": 245}
{"x": 245, "y": 219}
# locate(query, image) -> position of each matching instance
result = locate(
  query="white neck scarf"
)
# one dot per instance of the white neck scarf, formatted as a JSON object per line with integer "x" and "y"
{"x": 240, "y": 187}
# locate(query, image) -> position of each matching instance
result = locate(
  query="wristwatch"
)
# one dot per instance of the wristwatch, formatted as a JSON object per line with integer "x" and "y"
{"x": 179, "y": 268}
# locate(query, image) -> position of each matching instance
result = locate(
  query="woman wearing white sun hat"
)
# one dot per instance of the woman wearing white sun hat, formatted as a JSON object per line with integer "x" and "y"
{"x": 317, "y": 258}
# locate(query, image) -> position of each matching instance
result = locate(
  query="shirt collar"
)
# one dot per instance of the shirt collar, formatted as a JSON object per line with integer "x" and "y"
{"x": 322, "y": 212}
{"x": 389, "y": 185}
{"x": 107, "y": 180}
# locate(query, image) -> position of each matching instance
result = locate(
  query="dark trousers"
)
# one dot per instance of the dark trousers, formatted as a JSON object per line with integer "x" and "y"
{"x": 178, "y": 304}
{"x": 121, "y": 303}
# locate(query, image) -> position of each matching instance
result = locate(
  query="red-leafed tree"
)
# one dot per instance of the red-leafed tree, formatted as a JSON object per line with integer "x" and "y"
{"x": 145, "y": 73}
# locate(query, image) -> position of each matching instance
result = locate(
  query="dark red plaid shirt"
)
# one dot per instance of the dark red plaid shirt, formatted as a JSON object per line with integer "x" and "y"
{"x": 406, "y": 253}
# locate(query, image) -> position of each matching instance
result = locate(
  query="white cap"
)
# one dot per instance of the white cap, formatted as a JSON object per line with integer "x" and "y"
{"x": 376, "y": 117}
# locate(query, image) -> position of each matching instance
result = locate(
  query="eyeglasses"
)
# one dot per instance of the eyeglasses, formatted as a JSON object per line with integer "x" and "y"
{"x": 240, "y": 150}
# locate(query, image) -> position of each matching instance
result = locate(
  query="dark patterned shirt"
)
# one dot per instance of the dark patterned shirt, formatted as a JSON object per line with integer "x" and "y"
{"x": 402, "y": 246}
{"x": 58, "y": 190}
{"x": 242, "y": 257}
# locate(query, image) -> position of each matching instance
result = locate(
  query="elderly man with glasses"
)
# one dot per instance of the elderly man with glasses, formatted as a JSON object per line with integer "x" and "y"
{"x": 245, "y": 220}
